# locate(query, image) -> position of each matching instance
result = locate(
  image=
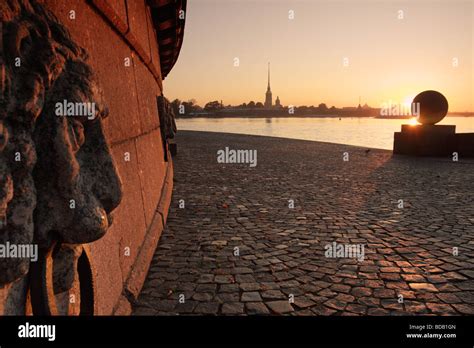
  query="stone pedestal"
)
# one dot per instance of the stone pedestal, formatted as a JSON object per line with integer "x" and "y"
{"x": 423, "y": 140}
{"x": 432, "y": 140}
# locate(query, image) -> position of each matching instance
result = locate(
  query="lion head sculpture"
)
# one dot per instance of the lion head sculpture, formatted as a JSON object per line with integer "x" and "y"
{"x": 58, "y": 181}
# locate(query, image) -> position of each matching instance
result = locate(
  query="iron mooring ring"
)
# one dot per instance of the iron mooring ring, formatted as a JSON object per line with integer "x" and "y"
{"x": 43, "y": 301}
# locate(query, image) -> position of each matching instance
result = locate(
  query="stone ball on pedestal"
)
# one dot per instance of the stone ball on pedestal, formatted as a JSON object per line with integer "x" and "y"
{"x": 433, "y": 107}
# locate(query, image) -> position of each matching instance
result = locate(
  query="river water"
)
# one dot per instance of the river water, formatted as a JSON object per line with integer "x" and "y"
{"x": 359, "y": 131}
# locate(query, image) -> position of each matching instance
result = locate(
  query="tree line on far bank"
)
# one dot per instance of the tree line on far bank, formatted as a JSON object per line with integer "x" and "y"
{"x": 191, "y": 107}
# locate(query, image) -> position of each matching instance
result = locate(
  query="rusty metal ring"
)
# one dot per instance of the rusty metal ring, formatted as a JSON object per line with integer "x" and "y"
{"x": 43, "y": 301}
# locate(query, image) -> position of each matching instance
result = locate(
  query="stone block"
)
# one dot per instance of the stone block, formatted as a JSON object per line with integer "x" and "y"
{"x": 152, "y": 171}
{"x": 141, "y": 266}
{"x": 129, "y": 218}
{"x": 116, "y": 79}
{"x": 148, "y": 90}
{"x": 167, "y": 192}
{"x": 123, "y": 307}
{"x": 424, "y": 140}
{"x": 464, "y": 144}
{"x": 115, "y": 11}
{"x": 428, "y": 129}
{"x": 154, "y": 49}
{"x": 138, "y": 27}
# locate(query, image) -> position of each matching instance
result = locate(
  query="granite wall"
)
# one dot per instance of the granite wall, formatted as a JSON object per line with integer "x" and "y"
{"x": 121, "y": 42}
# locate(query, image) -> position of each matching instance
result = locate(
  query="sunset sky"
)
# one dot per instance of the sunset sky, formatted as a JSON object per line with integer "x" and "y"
{"x": 389, "y": 58}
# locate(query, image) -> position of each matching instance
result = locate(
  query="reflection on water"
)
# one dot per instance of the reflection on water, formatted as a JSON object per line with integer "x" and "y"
{"x": 359, "y": 131}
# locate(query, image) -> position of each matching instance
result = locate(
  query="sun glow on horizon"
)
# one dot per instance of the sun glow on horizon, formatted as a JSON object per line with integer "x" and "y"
{"x": 408, "y": 101}
{"x": 413, "y": 122}
{"x": 325, "y": 63}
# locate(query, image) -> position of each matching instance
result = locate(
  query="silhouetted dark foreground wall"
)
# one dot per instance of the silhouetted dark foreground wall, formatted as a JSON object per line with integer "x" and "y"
{"x": 121, "y": 41}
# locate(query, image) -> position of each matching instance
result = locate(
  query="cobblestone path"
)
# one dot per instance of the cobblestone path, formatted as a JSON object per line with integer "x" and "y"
{"x": 238, "y": 248}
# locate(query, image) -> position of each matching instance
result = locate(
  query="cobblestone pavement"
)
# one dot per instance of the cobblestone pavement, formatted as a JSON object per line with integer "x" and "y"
{"x": 281, "y": 266}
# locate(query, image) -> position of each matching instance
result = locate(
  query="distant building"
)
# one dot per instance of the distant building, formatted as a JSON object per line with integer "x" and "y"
{"x": 268, "y": 96}
{"x": 96, "y": 275}
{"x": 277, "y": 102}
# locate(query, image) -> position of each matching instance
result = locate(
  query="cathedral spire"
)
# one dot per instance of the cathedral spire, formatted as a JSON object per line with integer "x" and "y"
{"x": 268, "y": 87}
{"x": 268, "y": 96}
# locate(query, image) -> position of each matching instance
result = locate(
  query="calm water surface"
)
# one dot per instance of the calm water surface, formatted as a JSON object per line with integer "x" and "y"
{"x": 359, "y": 131}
